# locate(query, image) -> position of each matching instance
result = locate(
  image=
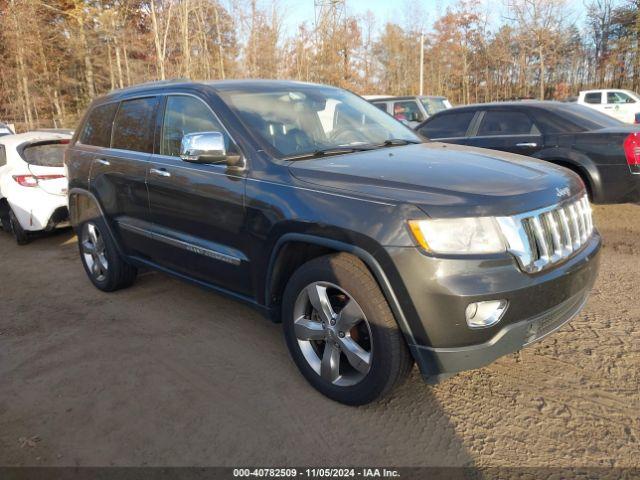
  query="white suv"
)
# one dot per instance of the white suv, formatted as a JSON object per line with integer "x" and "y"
{"x": 623, "y": 105}
{"x": 33, "y": 183}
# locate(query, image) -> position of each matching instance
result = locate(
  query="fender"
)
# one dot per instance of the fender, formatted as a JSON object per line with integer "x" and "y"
{"x": 363, "y": 255}
{"x": 90, "y": 209}
{"x": 580, "y": 161}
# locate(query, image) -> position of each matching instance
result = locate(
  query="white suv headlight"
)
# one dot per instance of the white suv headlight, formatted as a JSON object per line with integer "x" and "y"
{"x": 471, "y": 235}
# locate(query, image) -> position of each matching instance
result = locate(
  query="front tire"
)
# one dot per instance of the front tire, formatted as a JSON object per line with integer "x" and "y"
{"x": 100, "y": 258}
{"x": 340, "y": 331}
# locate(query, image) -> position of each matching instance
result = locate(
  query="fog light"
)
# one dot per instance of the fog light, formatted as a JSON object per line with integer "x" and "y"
{"x": 485, "y": 314}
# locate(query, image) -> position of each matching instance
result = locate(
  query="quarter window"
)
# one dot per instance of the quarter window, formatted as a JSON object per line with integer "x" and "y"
{"x": 507, "y": 123}
{"x": 449, "y": 125}
{"x": 185, "y": 115}
{"x": 97, "y": 128}
{"x": 593, "y": 98}
{"x": 134, "y": 125}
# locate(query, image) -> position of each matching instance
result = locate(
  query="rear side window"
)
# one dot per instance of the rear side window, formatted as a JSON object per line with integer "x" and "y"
{"x": 593, "y": 98}
{"x": 97, "y": 128}
{"x": 3, "y": 156}
{"x": 507, "y": 123}
{"x": 45, "y": 155}
{"x": 134, "y": 125}
{"x": 381, "y": 106}
{"x": 449, "y": 125}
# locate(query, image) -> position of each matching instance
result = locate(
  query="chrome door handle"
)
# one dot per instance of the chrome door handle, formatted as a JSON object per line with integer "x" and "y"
{"x": 159, "y": 171}
{"x": 530, "y": 145}
{"x": 102, "y": 161}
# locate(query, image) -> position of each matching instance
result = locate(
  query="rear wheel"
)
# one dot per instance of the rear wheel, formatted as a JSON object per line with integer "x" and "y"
{"x": 102, "y": 262}
{"x": 20, "y": 235}
{"x": 341, "y": 332}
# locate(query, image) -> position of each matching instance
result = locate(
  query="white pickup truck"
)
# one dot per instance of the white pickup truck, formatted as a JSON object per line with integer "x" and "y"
{"x": 621, "y": 104}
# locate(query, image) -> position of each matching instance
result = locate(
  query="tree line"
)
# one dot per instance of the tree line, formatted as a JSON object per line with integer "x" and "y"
{"x": 59, "y": 54}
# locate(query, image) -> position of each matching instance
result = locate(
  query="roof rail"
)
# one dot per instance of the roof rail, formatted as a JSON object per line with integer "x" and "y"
{"x": 150, "y": 84}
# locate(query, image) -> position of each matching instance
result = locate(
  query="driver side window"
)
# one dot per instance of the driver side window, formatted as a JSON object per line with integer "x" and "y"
{"x": 184, "y": 115}
{"x": 619, "y": 97}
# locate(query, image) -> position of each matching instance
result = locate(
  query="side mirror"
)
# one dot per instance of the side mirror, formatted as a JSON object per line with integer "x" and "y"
{"x": 207, "y": 147}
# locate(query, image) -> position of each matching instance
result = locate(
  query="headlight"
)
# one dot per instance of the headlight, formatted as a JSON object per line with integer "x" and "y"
{"x": 459, "y": 235}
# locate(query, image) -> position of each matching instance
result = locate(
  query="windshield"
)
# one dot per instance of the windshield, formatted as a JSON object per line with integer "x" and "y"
{"x": 305, "y": 120}
{"x": 47, "y": 155}
{"x": 434, "y": 105}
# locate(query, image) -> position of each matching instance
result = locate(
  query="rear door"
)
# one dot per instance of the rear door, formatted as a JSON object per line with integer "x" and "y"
{"x": 197, "y": 209}
{"x": 118, "y": 173}
{"x": 507, "y": 130}
{"x": 596, "y": 100}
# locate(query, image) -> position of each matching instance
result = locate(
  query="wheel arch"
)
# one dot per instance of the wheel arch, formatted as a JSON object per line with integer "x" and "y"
{"x": 84, "y": 206}
{"x": 289, "y": 246}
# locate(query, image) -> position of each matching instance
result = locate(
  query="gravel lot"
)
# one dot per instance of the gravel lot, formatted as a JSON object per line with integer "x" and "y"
{"x": 168, "y": 374}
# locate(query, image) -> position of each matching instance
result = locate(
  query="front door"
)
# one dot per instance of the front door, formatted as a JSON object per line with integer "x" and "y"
{"x": 622, "y": 106}
{"x": 508, "y": 131}
{"x": 197, "y": 209}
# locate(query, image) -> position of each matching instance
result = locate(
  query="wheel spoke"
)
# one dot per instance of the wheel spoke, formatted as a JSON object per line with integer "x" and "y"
{"x": 91, "y": 229}
{"x": 104, "y": 265}
{"x": 95, "y": 269}
{"x": 320, "y": 301}
{"x": 358, "y": 357}
{"x": 350, "y": 316}
{"x": 330, "y": 366}
{"x": 307, "y": 329}
{"x": 88, "y": 247}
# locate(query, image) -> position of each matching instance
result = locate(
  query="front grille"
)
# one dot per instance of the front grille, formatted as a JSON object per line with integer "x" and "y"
{"x": 548, "y": 236}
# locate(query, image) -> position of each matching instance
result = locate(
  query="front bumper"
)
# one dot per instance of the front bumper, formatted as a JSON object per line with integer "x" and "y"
{"x": 434, "y": 293}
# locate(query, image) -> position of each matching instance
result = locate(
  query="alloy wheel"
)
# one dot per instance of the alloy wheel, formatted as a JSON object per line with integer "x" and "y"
{"x": 333, "y": 334}
{"x": 94, "y": 252}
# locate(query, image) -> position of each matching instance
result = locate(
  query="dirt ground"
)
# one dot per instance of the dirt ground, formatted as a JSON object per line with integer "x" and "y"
{"x": 168, "y": 374}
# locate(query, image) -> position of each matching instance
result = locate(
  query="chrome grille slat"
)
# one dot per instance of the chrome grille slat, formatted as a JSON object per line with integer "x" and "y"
{"x": 548, "y": 236}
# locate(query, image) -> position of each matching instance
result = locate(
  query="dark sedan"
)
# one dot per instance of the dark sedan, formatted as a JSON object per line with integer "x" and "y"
{"x": 603, "y": 151}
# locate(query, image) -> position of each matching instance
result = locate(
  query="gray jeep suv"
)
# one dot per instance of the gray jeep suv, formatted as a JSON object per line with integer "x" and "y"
{"x": 374, "y": 248}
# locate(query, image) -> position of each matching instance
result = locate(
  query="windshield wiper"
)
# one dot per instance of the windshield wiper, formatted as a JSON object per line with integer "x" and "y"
{"x": 392, "y": 142}
{"x": 325, "y": 152}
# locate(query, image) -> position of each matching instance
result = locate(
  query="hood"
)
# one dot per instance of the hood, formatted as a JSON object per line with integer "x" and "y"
{"x": 444, "y": 180}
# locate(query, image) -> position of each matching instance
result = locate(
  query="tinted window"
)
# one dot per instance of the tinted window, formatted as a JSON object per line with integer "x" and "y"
{"x": 381, "y": 106}
{"x": 97, "y": 128}
{"x": 3, "y": 156}
{"x": 506, "y": 123}
{"x": 185, "y": 115}
{"x": 448, "y": 125}
{"x": 48, "y": 155}
{"x": 573, "y": 117}
{"x": 619, "y": 97}
{"x": 408, "y": 111}
{"x": 593, "y": 98}
{"x": 133, "y": 126}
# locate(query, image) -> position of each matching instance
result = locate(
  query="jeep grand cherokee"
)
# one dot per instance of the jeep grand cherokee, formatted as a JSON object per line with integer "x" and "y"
{"x": 374, "y": 248}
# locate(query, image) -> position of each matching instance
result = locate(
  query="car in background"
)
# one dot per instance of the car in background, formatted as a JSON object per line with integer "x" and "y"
{"x": 411, "y": 109}
{"x": 5, "y": 130}
{"x": 602, "y": 150}
{"x": 33, "y": 183}
{"x": 623, "y": 105}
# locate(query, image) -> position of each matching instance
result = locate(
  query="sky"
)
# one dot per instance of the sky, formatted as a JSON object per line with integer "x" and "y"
{"x": 299, "y": 11}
